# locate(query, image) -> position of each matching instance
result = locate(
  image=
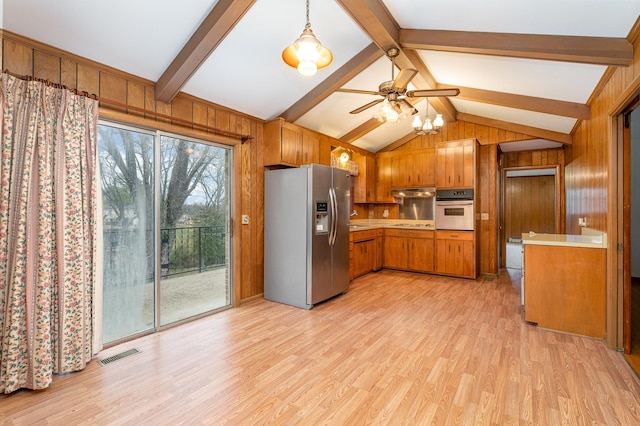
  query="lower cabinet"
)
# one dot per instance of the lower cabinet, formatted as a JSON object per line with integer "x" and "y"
{"x": 366, "y": 252}
{"x": 411, "y": 250}
{"x": 440, "y": 252}
{"x": 455, "y": 253}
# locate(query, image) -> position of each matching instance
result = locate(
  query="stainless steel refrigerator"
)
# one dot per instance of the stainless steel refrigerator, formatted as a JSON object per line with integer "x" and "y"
{"x": 306, "y": 234}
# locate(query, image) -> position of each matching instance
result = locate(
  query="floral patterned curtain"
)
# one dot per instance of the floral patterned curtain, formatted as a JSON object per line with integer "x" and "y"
{"x": 47, "y": 232}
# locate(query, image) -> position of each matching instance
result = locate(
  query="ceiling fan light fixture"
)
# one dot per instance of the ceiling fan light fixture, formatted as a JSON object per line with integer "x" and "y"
{"x": 428, "y": 127}
{"x": 307, "y": 54}
{"x": 438, "y": 121}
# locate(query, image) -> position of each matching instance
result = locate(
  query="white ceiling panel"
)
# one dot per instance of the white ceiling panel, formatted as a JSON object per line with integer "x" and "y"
{"x": 139, "y": 37}
{"x": 544, "y": 79}
{"x": 601, "y": 18}
{"x": 529, "y": 145}
{"x": 512, "y": 115}
{"x": 246, "y": 71}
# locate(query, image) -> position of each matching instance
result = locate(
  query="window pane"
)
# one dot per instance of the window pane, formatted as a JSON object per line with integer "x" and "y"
{"x": 126, "y": 166}
{"x": 194, "y": 240}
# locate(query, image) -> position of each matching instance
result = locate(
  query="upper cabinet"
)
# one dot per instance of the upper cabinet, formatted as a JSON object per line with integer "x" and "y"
{"x": 404, "y": 169}
{"x": 364, "y": 186}
{"x": 456, "y": 164}
{"x": 289, "y": 145}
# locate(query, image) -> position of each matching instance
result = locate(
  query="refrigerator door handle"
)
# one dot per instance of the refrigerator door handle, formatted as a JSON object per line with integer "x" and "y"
{"x": 334, "y": 216}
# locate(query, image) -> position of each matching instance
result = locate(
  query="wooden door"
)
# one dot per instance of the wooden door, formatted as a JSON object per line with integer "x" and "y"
{"x": 310, "y": 147}
{"x": 379, "y": 254}
{"x": 529, "y": 205}
{"x": 291, "y": 144}
{"x": 421, "y": 254}
{"x": 441, "y": 256}
{"x": 424, "y": 168}
{"x": 383, "y": 183}
{"x": 468, "y": 166}
{"x": 395, "y": 252}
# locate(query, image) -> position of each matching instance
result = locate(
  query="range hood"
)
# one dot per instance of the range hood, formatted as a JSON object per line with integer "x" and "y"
{"x": 413, "y": 192}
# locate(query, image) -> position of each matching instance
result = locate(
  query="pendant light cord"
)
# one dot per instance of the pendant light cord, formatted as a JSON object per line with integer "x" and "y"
{"x": 308, "y": 23}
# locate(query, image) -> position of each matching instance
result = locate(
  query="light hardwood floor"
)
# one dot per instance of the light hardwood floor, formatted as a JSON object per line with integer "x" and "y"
{"x": 398, "y": 348}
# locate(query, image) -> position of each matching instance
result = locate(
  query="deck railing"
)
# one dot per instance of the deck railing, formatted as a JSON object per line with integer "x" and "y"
{"x": 182, "y": 250}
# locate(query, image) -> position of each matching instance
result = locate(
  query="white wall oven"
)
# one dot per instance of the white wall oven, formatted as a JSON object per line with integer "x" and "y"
{"x": 454, "y": 209}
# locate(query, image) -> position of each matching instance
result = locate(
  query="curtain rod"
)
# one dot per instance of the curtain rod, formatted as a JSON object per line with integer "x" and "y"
{"x": 111, "y": 102}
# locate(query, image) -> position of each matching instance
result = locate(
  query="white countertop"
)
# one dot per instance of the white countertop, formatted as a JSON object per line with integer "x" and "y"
{"x": 589, "y": 239}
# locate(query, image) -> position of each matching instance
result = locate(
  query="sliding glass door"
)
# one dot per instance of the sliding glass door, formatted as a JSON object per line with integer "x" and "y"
{"x": 127, "y": 174}
{"x": 194, "y": 214}
{"x": 166, "y": 220}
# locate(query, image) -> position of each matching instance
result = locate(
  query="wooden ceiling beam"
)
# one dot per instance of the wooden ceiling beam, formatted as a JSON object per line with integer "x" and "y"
{"x": 529, "y": 103}
{"x": 375, "y": 20}
{"x": 360, "y": 131}
{"x": 518, "y": 128}
{"x": 339, "y": 78}
{"x": 215, "y": 27}
{"x": 587, "y": 50}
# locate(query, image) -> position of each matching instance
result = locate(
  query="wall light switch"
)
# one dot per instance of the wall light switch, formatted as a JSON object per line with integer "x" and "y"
{"x": 245, "y": 219}
{"x": 484, "y": 216}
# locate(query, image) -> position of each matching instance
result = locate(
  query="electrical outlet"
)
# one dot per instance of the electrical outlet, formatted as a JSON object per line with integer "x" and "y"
{"x": 245, "y": 219}
{"x": 385, "y": 213}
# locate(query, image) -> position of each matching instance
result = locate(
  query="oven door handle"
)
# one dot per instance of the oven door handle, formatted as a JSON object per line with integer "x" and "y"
{"x": 455, "y": 203}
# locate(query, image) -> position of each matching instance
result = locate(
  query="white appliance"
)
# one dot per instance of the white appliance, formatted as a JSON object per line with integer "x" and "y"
{"x": 454, "y": 209}
{"x": 306, "y": 234}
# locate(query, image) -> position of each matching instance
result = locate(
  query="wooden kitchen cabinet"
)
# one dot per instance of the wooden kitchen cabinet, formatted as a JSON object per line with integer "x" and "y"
{"x": 424, "y": 167}
{"x": 379, "y": 250}
{"x": 289, "y": 145}
{"x": 410, "y": 250}
{"x": 395, "y": 251}
{"x": 310, "y": 147}
{"x": 364, "y": 185}
{"x": 456, "y": 164}
{"x": 455, "y": 254}
{"x": 565, "y": 288}
{"x": 364, "y": 252}
{"x": 383, "y": 179}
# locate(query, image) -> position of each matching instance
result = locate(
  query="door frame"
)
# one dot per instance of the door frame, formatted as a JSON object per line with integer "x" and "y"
{"x": 618, "y": 269}
{"x": 559, "y": 197}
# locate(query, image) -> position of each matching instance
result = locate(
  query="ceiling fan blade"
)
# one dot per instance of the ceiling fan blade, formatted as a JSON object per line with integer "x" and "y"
{"x": 408, "y": 105}
{"x": 369, "y": 105}
{"x": 432, "y": 93}
{"x": 404, "y": 77}
{"x": 364, "y": 92}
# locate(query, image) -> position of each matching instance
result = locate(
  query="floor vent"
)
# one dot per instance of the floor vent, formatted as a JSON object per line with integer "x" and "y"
{"x": 116, "y": 357}
{"x": 488, "y": 278}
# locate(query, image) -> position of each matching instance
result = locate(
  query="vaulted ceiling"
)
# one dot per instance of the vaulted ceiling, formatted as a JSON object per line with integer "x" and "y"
{"x": 529, "y": 66}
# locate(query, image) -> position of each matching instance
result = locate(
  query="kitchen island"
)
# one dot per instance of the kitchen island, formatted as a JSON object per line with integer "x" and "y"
{"x": 564, "y": 282}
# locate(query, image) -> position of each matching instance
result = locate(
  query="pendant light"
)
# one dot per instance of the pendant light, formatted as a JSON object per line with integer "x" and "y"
{"x": 428, "y": 128}
{"x": 307, "y": 54}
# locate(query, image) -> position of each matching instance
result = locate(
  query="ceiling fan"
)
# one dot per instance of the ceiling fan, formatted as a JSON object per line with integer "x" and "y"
{"x": 395, "y": 91}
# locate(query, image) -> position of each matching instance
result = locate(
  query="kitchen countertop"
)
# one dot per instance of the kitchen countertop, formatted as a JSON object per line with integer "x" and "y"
{"x": 366, "y": 224}
{"x": 588, "y": 239}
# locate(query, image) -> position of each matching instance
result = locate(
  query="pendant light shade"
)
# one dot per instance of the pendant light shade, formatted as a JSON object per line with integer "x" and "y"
{"x": 307, "y": 54}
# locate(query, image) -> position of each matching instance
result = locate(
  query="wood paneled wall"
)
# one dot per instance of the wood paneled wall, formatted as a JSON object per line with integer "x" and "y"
{"x": 591, "y": 173}
{"x": 529, "y": 205}
{"x": 30, "y": 58}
